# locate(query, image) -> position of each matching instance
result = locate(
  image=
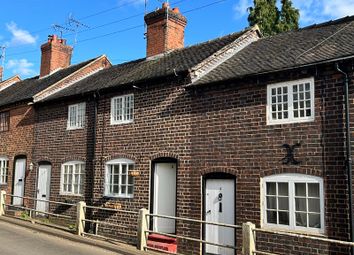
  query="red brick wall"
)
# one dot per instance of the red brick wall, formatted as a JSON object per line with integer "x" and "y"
{"x": 212, "y": 129}
{"x": 18, "y": 142}
{"x": 57, "y": 145}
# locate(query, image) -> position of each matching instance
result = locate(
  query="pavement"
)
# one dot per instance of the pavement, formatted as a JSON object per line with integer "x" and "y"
{"x": 18, "y": 237}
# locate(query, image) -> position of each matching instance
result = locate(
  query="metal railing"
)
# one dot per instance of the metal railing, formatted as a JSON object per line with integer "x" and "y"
{"x": 144, "y": 231}
{"x": 31, "y": 210}
{"x": 250, "y": 231}
{"x": 98, "y": 222}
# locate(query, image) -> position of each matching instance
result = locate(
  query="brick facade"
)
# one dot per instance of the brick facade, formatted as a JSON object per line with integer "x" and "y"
{"x": 18, "y": 143}
{"x": 214, "y": 129}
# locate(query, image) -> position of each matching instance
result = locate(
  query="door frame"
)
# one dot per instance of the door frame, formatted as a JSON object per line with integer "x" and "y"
{"x": 44, "y": 163}
{"x": 152, "y": 187}
{"x": 221, "y": 176}
{"x": 14, "y": 173}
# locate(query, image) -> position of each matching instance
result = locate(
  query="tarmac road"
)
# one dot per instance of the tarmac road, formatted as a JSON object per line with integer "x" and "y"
{"x": 16, "y": 240}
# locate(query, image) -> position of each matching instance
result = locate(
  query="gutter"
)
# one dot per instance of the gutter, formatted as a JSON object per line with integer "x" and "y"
{"x": 348, "y": 160}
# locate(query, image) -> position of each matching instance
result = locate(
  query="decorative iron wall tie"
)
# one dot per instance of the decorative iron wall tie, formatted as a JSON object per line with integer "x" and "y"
{"x": 289, "y": 159}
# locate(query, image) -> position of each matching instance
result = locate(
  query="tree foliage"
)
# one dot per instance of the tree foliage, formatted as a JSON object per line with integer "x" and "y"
{"x": 270, "y": 19}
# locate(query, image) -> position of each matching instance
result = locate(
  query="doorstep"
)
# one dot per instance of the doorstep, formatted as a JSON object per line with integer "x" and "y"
{"x": 116, "y": 247}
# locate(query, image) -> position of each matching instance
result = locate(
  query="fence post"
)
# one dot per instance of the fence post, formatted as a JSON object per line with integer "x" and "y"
{"x": 143, "y": 226}
{"x": 80, "y": 216}
{"x": 248, "y": 239}
{"x": 2, "y": 202}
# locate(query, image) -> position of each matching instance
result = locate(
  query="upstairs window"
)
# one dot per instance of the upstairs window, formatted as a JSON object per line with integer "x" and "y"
{"x": 4, "y": 121}
{"x": 72, "y": 178}
{"x": 293, "y": 202}
{"x": 122, "y": 109}
{"x": 119, "y": 182}
{"x": 76, "y": 116}
{"x": 291, "y": 102}
{"x": 4, "y": 165}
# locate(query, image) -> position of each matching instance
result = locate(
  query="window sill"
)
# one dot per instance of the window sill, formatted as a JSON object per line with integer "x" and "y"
{"x": 74, "y": 128}
{"x": 70, "y": 194}
{"x": 272, "y": 123}
{"x": 309, "y": 232}
{"x": 117, "y": 197}
{"x": 121, "y": 122}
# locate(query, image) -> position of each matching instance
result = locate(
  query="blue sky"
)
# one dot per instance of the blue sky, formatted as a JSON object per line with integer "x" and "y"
{"x": 25, "y": 25}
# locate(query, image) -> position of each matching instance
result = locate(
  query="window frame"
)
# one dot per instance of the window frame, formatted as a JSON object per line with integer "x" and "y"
{"x": 112, "y": 112}
{"x": 4, "y": 171}
{"x": 119, "y": 162}
{"x": 291, "y": 179}
{"x": 6, "y": 116}
{"x": 291, "y": 118}
{"x": 81, "y": 190}
{"x": 76, "y": 126}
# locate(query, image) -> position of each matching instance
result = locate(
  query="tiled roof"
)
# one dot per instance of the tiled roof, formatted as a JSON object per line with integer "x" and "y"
{"x": 314, "y": 44}
{"x": 174, "y": 62}
{"x": 25, "y": 90}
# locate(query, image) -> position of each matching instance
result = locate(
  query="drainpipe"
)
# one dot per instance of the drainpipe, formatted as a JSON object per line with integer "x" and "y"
{"x": 349, "y": 154}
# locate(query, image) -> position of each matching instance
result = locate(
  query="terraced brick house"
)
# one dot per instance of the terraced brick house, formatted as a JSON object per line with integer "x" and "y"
{"x": 236, "y": 129}
{"x": 240, "y": 128}
{"x": 18, "y": 174}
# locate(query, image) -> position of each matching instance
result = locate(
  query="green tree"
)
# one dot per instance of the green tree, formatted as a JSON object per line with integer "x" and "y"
{"x": 288, "y": 17}
{"x": 264, "y": 13}
{"x": 272, "y": 21}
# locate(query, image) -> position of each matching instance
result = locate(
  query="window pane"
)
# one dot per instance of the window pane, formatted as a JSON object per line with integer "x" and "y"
{"x": 272, "y": 217}
{"x": 271, "y": 188}
{"x": 115, "y": 189}
{"x": 300, "y": 204}
{"x": 116, "y": 179}
{"x": 283, "y": 189}
{"x": 283, "y": 218}
{"x": 314, "y": 189}
{"x": 130, "y": 190}
{"x": 314, "y": 205}
{"x": 271, "y": 203}
{"x": 124, "y": 189}
{"x": 124, "y": 169}
{"x": 130, "y": 180}
{"x": 301, "y": 219}
{"x": 300, "y": 189}
{"x": 283, "y": 203}
{"x": 124, "y": 179}
{"x": 314, "y": 221}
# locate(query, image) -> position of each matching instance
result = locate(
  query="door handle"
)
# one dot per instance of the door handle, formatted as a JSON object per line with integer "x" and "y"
{"x": 209, "y": 211}
{"x": 20, "y": 180}
{"x": 44, "y": 196}
{"x": 220, "y": 207}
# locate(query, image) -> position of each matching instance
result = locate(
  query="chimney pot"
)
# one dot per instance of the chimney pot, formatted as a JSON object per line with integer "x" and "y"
{"x": 175, "y": 10}
{"x": 165, "y": 5}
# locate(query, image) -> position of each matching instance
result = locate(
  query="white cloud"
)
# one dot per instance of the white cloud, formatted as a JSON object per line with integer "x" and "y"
{"x": 241, "y": 7}
{"x": 21, "y": 66}
{"x": 19, "y": 36}
{"x": 311, "y": 11}
{"x": 315, "y": 11}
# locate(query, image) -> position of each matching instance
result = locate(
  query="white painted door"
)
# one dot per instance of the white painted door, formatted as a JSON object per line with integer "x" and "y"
{"x": 43, "y": 187}
{"x": 165, "y": 197}
{"x": 220, "y": 207}
{"x": 19, "y": 181}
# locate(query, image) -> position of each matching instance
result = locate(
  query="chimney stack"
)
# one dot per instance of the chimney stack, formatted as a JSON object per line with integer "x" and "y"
{"x": 55, "y": 54}
{"x": 1, "y": 73}
{"x": 165, "y": 30}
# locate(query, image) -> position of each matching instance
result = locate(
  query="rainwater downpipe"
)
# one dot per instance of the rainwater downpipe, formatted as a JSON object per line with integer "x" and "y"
{"x": 349, "y": 154}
